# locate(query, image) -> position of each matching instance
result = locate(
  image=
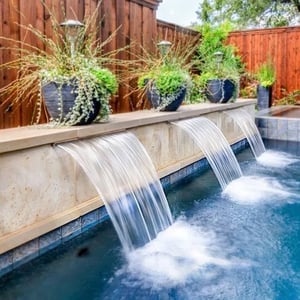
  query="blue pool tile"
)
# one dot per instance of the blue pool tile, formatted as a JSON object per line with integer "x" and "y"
{"x": 261, "y": 122}
{"x": 89, "y": 220}
{"x": 282, "y": 124}
{"x": 197, "y": 165}
{"x": 272, "y": 133}
{"x": 50, "y": 240}
{"x": 25, "y": 253}
{"x": 174, "y": 178}
{"x": 165, "y": 182}
{"x": 182, "y": 173}
{"x": 102, "y": 214}
{"x": 292, "y": 135}
{"x": 71, "y": 229}
{"x": 235, "y": 147}
{"x": 272, "y": 123}
{"x": 239, "y": 146}
{"x": 6, "y": 262}
{"x": 263, "y": 132}
{"x": 293, "y": 124}
{"x": 189, "y": 170}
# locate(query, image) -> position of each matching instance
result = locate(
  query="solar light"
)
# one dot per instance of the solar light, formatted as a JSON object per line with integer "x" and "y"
{"x": 163, "y": 47}
{"x": 72, "y": 28}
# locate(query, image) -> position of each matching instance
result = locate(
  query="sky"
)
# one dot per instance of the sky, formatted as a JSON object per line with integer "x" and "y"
{"x": 180, "y": 12}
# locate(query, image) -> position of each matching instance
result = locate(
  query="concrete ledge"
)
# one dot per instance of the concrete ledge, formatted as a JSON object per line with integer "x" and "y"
{"x": 31, "y": 136}
{"x": 73, "y": 222}
{"x": 46, "y": 198}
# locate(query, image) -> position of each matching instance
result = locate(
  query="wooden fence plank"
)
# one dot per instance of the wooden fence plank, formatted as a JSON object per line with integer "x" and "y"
{"x": 282, "y": 44}
{"x": 139, "y": 24}
{"x": 11, "y": 115}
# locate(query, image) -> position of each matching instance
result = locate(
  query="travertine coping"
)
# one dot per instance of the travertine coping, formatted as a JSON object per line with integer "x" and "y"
{"x": 32, "y": 136}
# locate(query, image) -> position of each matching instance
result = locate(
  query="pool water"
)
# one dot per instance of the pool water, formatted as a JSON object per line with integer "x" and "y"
{"x": 243, "y": 243}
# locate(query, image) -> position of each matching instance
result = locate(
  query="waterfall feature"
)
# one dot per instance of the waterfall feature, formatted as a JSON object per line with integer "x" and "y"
{"x": 126, "y": 180}
{"x": 215, "y": 147}
{"x": 248, "y": 127}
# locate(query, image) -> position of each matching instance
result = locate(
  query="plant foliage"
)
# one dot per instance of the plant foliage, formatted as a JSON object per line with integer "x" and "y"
{"x": 86, "y": 69}
{"x": 266, "y": 74}
{"x": 250, "y": 13}
{"x": 214, "y": 42}
{"x": 167, "y": 73}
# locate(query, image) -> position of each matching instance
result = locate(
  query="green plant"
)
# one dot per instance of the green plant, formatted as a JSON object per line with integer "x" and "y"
{"x": 166, "y": 73}
{"x": 214, "y": 58}
{"x": 248, "y": 85}
{"x": 266, "y": 74}
{"x": 196, "y": 94}
{"x": 83, "y": 67}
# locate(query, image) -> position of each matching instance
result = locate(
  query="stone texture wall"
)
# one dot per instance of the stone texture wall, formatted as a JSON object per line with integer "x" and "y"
{"x": 42, "y": 188}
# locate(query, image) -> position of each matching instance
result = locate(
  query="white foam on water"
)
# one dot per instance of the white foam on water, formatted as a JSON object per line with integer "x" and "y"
{"x": 276, "y": 159}
{"x": 255, "y": 189}
{"x": 178, "y": 253}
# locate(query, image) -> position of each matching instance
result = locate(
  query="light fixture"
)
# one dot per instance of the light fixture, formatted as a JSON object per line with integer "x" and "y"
{"x": 72, "y": 28}
{"x": 219, "y": 57}
{"x": 163, "y": 47}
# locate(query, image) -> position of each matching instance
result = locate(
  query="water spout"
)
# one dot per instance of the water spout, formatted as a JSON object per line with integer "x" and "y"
{"x": 215, "y": 147}
{"x": 126, "y": 180}
{"x": 249, "y": 129}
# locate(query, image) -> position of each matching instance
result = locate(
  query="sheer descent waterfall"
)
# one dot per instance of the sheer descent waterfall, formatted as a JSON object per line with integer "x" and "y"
{"x": 248, "y": 127}
{"x": 215, "y": 147}
{"x": 126, "y": 180}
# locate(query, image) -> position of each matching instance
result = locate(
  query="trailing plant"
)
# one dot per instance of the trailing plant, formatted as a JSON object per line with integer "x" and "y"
{"x": 167, "y": 73}
{"x": 83, "y": 67}
{"x": 266, "y": 74}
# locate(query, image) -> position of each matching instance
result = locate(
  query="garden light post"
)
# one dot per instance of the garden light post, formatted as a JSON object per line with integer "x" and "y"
{"x": 72, "y": 28}
{"x": 163, "y": 47}
{"x": 219, "y": 57}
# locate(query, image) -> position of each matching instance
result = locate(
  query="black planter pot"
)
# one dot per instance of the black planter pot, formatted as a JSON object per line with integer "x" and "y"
{"x": 264, "y": 97}
{"x": 52, "y": 93}
{"x": 156, "y": 100}
{"x": 219, "y": 90}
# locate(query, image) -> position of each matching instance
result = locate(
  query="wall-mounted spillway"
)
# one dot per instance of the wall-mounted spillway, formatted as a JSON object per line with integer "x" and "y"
{"x": 126, "y": 180}
{"x": 215, "y": 147}
{"x": 244, "y": 120}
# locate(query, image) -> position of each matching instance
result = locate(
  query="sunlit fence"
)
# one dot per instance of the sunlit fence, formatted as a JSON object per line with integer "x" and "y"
{"x": 282, "y": 45}
{"x": 137, "y": 23}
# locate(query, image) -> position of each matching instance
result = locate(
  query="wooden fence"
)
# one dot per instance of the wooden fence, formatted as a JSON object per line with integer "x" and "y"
{"x": 136, "y": 19}
{"x": 138, "y": 24}
{"x": 174, "y": 33}
{"x": 282, "y": 45}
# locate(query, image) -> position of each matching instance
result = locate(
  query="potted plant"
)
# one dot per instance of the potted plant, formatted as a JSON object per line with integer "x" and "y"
{"x": 165, "y": 76}
{"x": 266, "y": 77}
{"x": 70, "y": 74}
{"x": 218, "y": 64}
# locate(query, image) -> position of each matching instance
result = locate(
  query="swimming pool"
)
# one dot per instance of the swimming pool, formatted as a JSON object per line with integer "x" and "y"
{"x": 220, "y": 247}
